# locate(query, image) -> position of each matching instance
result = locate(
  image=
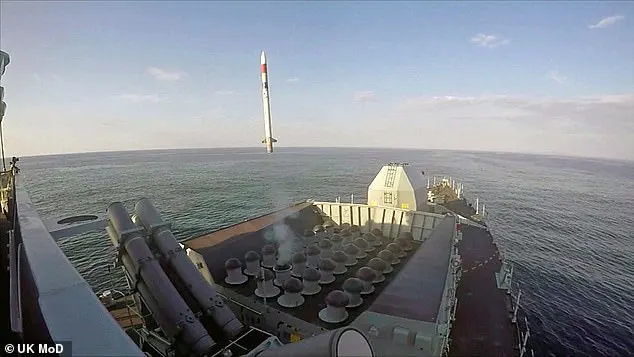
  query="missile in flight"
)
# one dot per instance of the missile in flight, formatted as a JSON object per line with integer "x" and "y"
{"x": 266, "y": 104}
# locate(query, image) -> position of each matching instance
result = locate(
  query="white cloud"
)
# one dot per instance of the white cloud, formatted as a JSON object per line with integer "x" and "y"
{"x": 557, "y": 77}
{"x": 225, "y": 92}
{"x": 361, "y": 96}
{"x": 595, "y": 126}
{"x": 139, "y": 98}
{"x": 607, "y": 113}
{"x": 54, "y": 78}
{"x": 489, "y": 41}
{"x": 293, "y": 79}
{"x": 166, "y": 75}
{"x": 614, "y": 98}
{"x": 607, "y": 21}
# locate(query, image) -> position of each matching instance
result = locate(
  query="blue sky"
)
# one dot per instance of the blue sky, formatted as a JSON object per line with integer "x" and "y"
{"x": 544, "y": 77}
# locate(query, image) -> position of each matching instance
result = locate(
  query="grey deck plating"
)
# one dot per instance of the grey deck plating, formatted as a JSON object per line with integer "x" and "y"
{"x": 482, "y": 326}
{"x": 460, "y": 207}
{"x": 413, "y": 291}
{"x": 297, "y": 221}
{"x": 416, "y": 292}
{"x": 310, "y": 309}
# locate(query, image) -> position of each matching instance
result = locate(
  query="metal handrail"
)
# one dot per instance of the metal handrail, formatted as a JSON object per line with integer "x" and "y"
{"x": 522, "y": 329}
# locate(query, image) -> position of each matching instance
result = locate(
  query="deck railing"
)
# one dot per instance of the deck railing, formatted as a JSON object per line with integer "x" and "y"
{"x": 520, "y": 320}
{"x": 390, "y": 220}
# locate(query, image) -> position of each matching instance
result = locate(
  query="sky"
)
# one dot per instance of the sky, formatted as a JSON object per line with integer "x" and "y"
{"x": 531, "y": 77}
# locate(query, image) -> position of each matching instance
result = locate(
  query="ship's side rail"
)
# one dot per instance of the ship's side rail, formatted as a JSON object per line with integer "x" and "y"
{"x": 11, "y": 318}
{"x": 520, "y": 319}
{"x": 390, "y": 220}
{"x": 56, "y": 302}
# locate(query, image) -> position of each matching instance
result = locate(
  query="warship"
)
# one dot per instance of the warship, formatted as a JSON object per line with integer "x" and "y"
{"x": 414, "y": 271}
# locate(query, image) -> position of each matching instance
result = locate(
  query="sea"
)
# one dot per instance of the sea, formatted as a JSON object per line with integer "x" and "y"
{"x": 567, "y": 224}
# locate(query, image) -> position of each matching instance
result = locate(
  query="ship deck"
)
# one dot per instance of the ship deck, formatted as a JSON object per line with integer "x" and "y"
{"x": 309, "y": 310}
{"x": 483, "y": 326}
{"x": 461, "y": 207}
{"x": 252, "y": 235}
{"x": 417, "y": 291}
{"x": 401, "y": 294}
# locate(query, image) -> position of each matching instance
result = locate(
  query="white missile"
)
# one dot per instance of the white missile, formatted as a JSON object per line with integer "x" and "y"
{"x": 266, "y": 104}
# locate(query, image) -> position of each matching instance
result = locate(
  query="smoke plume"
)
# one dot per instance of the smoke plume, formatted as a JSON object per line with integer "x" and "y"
{"x": 283, "y": 237}
{"x": 281, "y": 234}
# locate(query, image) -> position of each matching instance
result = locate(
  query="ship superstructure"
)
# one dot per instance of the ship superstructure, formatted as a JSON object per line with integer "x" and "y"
{"x": 419, "y": 302}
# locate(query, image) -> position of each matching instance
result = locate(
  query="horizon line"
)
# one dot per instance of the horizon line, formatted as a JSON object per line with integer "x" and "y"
{"x": 263, "y": 151}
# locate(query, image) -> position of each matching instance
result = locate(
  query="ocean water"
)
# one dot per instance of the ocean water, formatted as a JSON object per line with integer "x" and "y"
{"x": 566, "y": 223}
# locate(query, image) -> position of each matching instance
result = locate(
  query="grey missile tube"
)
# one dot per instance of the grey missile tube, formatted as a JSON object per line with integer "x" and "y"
{"x": 343, "y": 342}
{"x": 172, "y": 308}
{"x": 169, "y": 329}
{"x": 203, "y": 292}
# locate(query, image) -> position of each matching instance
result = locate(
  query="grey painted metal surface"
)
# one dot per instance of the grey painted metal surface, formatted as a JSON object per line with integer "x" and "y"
{"x": 390, "y": 220}
{"x": 181, "y": 322}
{"x": 416, "y": 293}
{"x": 259, "y": 313}
{"x": 343, "y": 342}
{"x": 397, "y": 336}
{"x": 71, "y": 310}
{"x": 14, "y": 284}
{"x": 430, "y": 336}
{"x": 203, "y": 292}
{"x": 58, "y": 231}
{"x": 146, "y": 295}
